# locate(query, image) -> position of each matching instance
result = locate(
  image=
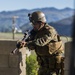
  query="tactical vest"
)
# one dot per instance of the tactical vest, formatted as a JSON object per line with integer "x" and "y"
{"x": 55, "y": 46}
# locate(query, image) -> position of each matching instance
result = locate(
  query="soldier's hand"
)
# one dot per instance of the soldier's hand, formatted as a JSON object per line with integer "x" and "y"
{"x": 20, "y": 44}
{"x": 23, "y": 43}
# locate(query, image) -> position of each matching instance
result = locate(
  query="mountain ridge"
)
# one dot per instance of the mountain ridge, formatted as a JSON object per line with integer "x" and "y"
{"x": 52, "y": 15}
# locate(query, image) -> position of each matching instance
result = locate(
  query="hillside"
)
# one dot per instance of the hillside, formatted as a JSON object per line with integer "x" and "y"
{"x": 64, "y": 27}
{"x": 52, "y": 15}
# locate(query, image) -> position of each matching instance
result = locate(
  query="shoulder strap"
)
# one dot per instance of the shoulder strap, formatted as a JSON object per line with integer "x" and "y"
{"x": 58, "y": 36}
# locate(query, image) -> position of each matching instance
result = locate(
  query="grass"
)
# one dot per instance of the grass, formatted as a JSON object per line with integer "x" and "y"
{"x": 66, "y": 39}
{"x": 18, "y": 36}
{"x": 10, "y": 36}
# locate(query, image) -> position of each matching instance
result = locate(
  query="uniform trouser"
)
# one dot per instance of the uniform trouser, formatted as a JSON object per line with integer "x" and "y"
{"x": 50, "y": 65}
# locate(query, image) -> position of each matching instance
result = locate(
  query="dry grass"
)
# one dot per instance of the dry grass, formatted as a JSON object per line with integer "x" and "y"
{"x": 20, "y": 36}
{"x": 10, "y": 36}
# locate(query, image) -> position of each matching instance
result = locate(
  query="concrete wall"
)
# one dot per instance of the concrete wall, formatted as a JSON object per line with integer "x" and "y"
{"x": 68, "y": 49}
{"x": 11, "y": 64}
{"x": 15, "y": 64}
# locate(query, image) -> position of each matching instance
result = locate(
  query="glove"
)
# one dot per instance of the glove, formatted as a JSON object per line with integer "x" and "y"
{"x": 20, "y": 44}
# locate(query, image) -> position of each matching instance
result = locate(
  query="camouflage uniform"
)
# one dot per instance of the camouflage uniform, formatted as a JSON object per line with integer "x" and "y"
{"x": 50, "y": 63}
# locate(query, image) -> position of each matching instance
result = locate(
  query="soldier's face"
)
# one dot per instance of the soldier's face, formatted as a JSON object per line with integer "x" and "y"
{"x": 36, "y": 26}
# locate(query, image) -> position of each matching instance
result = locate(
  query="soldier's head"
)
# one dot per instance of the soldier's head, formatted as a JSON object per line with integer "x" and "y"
{"x": 37, "y": 19}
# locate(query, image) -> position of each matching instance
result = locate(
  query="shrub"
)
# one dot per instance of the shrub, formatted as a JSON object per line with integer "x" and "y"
{"x": 31, "y": 65}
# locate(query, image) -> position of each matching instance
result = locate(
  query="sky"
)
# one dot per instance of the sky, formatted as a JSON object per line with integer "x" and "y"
{"x": 11, "y": 5}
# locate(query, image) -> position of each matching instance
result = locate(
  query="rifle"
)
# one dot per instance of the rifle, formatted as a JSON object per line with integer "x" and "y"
{"x": 18, "y": 45}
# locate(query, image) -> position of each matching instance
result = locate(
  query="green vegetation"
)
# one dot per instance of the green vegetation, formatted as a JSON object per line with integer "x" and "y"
{"x": 31, "y": 65}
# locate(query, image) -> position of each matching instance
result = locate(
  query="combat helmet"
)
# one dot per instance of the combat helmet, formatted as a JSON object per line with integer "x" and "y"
{"x": 37, "y": 16}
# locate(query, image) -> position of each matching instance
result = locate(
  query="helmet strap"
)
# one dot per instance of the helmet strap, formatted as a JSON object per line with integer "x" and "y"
{"x": 41, "y": 25}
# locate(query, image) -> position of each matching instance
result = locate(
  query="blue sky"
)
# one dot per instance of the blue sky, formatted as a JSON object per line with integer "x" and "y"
{"x": 10, "y": 5}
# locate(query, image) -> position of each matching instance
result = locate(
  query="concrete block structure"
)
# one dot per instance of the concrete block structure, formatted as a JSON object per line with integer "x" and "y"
{"x": 68, "y": 49}
{"x": 15, "y": 64}
{"x": 11, "y": 64}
